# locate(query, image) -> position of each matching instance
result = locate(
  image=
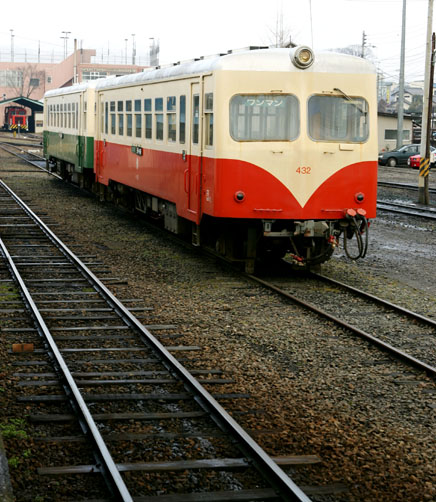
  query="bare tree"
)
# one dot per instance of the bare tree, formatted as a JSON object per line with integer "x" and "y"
{"x": 355, "y": 50}
{"x": 281, "y": 36}
{"x": 25, "y": 79}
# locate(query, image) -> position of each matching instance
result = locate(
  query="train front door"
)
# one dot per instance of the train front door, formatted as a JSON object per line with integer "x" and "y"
{"x": 193, "y": 174}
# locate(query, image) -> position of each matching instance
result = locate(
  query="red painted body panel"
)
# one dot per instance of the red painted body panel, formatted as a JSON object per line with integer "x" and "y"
{"x": 168, "y": 176}
{"x": 265, "y": 192}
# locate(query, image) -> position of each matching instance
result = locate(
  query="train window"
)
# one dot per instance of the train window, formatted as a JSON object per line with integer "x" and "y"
{"x": 148, "y": 118}
{"x": 120, "y": 106}
{"x": 158, "y": 107}
{"x": 120, "y": 124}
{"x": 113, "y": 123}
{"x": 208, "y": 118}
{"x": 129, "y": 124}
{"x": 106, "y": 117}
{"x": 171, "y": 118}
{"x": 148, "y": 125}
{"x": 195, "y": 117}
{"x": 85, "y": 110}
{"x": 128, "y": 106}
{"x": 264, "y": 117}
{"x": 69, "y": 115}
{"x": 159, "y": 126}
{"x": 172, "y": 127}
{"x": 73, "y": 115}
{"x": 338, "y": 118}
{"x": 182, "y": 118}
{"x": 137, "y": 105}
{"x": 171, "y": 104}
{"x": 138, "y": 124}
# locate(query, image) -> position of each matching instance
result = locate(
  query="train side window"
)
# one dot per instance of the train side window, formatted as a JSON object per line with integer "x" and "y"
{"x": 120, "y": 118}
{"x": 138, "y": 118}
{"x": 264, "y": 117}
{"x": 85, "y": 112}
{"x": 338, "y": 118}
{"x": 158, "y": 108}
{"x": 148, "y": 118}
{"x": 171, "y": 118}
{"x": 113, "y": 118}
{"x": 182, "y": 119}
{"x": 106, "y": 117}
{"x": 195, "y": 118}
{"x": 208, "y": 119}
{"x": 138, "y": 125}
{"x": 69, "y": 115}
{"x": 73, "y": 115}
{"x": 129, "y": 122}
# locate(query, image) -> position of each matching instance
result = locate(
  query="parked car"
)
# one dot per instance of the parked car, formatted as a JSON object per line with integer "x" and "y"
{"x": 398, "y": 157}
{"x": 414, "y": 160}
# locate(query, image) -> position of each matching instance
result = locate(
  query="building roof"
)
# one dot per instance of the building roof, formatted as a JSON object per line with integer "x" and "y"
{"x": 36, "y": 106}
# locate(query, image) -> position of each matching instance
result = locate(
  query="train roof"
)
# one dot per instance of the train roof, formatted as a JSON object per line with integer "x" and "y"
{"x": 71, "y": 89}
{"x": 255, "y": 60}
{"x": 277, "y": 60}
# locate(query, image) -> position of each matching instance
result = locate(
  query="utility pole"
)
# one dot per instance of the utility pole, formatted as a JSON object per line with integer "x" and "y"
{"x": 423, "y": 191}
{"x": 133, "y": 49}
{"x": 65, "y": 37}
{"x": 12, "y": 45}
{"x": 125, "y": 52}
{"x": 362, "y": 53}
{"x": 400, "y": 109}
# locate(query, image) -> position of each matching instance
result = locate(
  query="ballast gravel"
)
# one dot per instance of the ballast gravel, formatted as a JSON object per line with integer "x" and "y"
{"x": 371, "y": 420}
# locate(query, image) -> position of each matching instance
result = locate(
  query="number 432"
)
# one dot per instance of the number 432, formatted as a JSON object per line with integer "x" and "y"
{"x": 303, "y": 170}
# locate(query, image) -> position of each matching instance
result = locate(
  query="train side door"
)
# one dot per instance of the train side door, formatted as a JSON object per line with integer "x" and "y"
{"x": 192, "y": 183}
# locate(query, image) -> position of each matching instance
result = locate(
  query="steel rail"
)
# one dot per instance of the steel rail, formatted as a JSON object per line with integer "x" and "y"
{"x": 109, "y": 465}
{"x": 278, "y": 479}
{"x": 376, "y": 299}
{"x": 407, "y": 209}
{"x": 401, "y": 185}
{"x": 32, "y": 163}
{"x": 430, "y": 370}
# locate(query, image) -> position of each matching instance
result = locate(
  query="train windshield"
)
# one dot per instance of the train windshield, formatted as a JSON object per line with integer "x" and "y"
{"x": 264, "y": 117}
{"x": 338, "y": 118}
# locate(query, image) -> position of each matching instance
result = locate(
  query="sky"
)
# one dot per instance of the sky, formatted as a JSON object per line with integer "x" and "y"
{"x": 192, "y": 28}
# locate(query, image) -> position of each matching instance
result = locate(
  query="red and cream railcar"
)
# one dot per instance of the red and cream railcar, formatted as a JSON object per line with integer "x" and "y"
{"x": 259, "y": 152}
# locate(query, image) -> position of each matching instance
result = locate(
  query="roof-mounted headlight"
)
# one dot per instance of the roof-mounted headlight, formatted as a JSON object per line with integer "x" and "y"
{"x": 302, "y": 56}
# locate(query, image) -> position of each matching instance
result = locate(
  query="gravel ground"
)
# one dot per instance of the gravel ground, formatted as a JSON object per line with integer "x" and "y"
{"x": 372, "y": 424}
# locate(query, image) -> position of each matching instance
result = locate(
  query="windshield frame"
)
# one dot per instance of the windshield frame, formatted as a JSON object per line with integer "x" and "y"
{"x": 357, "y": 103}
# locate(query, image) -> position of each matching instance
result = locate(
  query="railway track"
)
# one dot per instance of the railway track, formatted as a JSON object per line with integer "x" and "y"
{"x": 407, "y": 209}
{"x": 408, "y": 186}
{"x": 29, "y": 154}
{"x": 403, "y": 334}
{"x": 99, "y": 386}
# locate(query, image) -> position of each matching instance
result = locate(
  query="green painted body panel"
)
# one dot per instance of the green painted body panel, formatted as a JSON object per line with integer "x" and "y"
{"x": 76, "y": 150}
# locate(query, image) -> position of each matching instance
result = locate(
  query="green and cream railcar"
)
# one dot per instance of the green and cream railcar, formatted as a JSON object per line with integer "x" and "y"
{"x": 69, "y": 117}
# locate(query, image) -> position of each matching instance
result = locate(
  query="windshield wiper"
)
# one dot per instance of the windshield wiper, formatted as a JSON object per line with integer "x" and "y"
{"x": 347, "y": 97}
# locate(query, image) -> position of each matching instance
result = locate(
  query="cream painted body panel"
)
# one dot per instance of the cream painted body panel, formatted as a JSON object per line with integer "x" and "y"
{"x": 283, "y": 158}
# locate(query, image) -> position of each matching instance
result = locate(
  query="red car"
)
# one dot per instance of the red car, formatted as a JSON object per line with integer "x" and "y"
{"x": 414, "y": 160}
